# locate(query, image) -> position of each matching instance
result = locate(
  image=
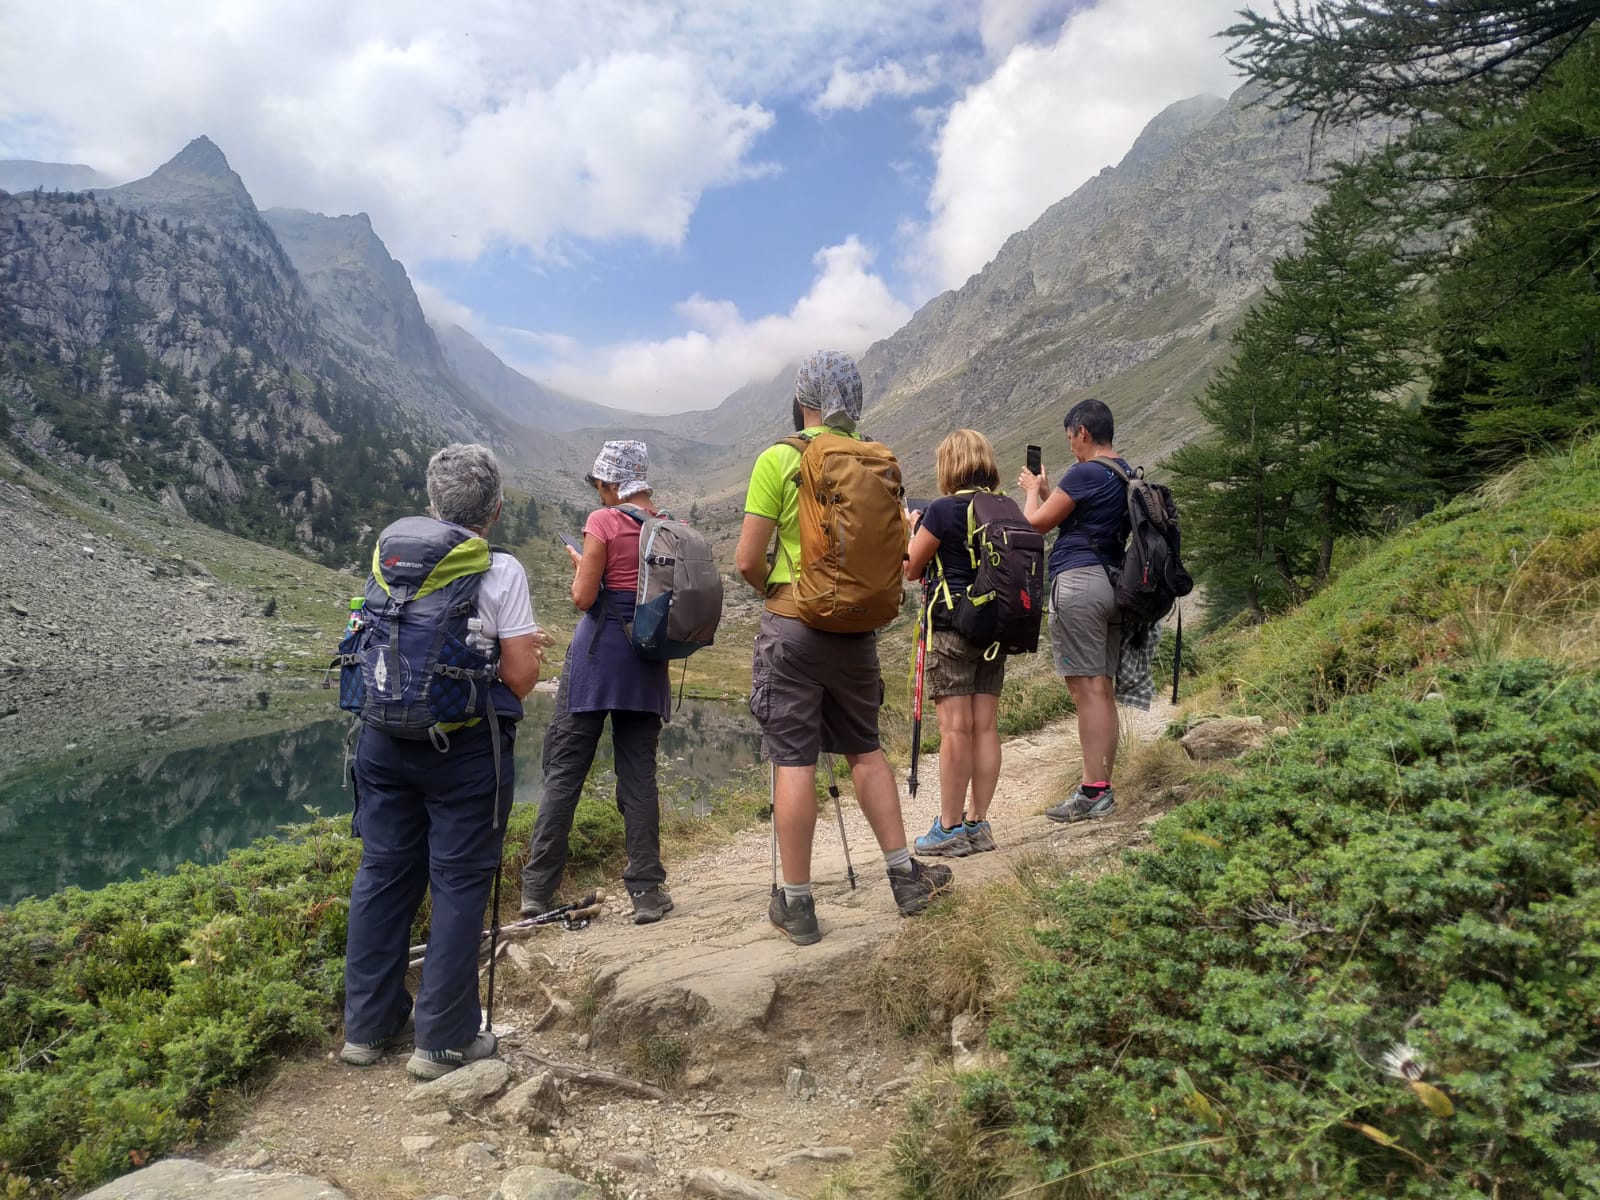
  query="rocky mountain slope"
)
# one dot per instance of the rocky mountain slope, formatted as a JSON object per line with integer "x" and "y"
{"x": 1125, "y": 290}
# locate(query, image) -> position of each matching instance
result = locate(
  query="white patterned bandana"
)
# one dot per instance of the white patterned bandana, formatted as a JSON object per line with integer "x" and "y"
{"x": 625, "y": 464}
{"x": 829, "y": 383}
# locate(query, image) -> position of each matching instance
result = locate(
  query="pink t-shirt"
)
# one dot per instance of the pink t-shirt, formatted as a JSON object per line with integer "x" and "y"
{"x": 620, "y": 533}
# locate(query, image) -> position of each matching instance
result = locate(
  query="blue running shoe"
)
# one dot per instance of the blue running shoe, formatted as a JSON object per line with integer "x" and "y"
{"x": 942, "y": 842}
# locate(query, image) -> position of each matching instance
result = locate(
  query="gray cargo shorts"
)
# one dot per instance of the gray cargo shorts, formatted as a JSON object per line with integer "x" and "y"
{"x": 814, "y": 692}
{"x": 1085, "y": 627}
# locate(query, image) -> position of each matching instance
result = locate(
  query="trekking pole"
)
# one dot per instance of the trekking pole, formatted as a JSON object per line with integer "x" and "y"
{"x": 1177, "y": 655}
{"x": 833, "y": 790}
{"x": 916, "y": 689}
{"x": 772, "y": 818}
{"x": 494, "y": 938}
{"x": 567, "y": 914}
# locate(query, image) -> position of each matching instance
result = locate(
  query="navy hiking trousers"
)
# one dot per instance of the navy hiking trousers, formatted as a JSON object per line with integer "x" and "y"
{"x": 425, "y": 820}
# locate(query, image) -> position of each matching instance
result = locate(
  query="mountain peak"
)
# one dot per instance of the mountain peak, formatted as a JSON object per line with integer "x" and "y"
{"x": 1167, "y": 129}
{"x": 194, "y": 182}
{"x": 202, "y": 156}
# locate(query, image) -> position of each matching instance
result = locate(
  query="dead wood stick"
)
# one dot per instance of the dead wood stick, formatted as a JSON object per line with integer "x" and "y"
{"x": 597, "y": 1077}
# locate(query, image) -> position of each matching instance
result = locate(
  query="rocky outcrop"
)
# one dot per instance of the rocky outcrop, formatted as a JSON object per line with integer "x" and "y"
{"x": 363, "y": 294}
{"x": 159, "y": 329}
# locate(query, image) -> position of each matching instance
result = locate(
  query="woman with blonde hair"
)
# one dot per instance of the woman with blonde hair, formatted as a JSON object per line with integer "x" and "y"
{"x": 963, "y": 678}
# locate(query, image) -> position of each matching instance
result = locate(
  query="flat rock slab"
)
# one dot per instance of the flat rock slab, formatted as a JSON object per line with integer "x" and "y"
{"x": 725, "y": 1185}
{"x": 185, "y": 1179}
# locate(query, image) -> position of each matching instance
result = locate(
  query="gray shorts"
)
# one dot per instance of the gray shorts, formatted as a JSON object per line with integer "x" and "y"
{"x": 1085, "y": 627}
{"x": 814, "y": 692}
{"x": 956, "y": 667}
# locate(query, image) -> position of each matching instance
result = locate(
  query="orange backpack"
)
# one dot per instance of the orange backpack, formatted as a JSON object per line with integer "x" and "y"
{"x": 852, "y": 533}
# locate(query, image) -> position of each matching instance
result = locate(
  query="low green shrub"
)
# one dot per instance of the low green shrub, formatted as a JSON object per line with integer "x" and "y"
{"x": 1364, "y": 966}
{"x": 122, "y": 1011}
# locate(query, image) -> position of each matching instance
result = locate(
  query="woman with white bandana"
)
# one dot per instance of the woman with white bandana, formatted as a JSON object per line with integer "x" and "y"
{"x": 603, "y": 676}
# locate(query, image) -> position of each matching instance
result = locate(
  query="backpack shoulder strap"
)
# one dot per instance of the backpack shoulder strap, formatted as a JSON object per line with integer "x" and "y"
{"x": 634, "y": 511}
{"x": 1114, "y": 467}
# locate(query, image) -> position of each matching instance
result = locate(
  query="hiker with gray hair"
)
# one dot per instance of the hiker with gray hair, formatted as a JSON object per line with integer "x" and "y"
{"x": 431, "y": 800}
{"x": 604, "y": 677}
{"x": 816, "y": 685}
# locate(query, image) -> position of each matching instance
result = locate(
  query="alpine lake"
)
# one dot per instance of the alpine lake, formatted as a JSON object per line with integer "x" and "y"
{"x": 110, "y": 811}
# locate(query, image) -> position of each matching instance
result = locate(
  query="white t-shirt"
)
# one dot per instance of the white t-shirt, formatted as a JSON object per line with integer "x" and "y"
{"x": 504, "y": 605}
{"x": 503, "y": 601}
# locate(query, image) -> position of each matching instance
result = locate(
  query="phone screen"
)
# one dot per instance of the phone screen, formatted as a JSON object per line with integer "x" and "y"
{"x": 1035, "y": 460}
{"x": 571, "y": 542}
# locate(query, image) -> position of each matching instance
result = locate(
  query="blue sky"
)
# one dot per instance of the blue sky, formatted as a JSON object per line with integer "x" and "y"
{"x": 645, "y": 202}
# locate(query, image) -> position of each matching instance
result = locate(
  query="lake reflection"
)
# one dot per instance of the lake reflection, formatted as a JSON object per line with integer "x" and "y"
{"x": 90, "y": 825}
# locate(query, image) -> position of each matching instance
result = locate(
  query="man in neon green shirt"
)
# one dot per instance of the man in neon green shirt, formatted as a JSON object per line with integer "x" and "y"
{"x": 814, "y": 691}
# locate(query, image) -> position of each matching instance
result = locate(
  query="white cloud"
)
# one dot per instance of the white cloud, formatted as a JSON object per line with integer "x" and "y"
{"x": 457, "y": 127}
{"x": 847, "y": 307}
{"x": 1002, "y": 24}
{"x": 854, "y": 90}
{"x": 442, "y": 310}
{"x": 1054, "y": 114}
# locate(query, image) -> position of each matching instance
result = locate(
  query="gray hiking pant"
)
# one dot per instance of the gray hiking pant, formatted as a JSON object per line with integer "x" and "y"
{"x": 569, "y": 746}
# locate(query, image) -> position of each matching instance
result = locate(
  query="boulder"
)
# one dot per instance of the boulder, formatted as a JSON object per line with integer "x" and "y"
{"x": 466, "y": 1088}
{"x": 534, "y": 1105}
{"x": 1223, "y": 737}
{"x": 541, "y": 1183}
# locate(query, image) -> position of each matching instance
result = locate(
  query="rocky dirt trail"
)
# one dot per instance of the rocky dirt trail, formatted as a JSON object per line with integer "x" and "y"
{"x": 779, "y": 1073}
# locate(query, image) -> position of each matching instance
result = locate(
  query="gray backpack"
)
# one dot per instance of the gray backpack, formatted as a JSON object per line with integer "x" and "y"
{"x": 679, "y": 600}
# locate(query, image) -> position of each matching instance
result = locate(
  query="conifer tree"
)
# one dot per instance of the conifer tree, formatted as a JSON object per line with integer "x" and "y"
{"x": 1309, "y": 440}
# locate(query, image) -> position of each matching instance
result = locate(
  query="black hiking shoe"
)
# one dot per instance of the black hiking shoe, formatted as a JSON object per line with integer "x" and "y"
{"x": 795, "y": 919}
{"x": 915, "y": 889}
{"x": 1078, "y": 807}
{"x": 650, "y": 905}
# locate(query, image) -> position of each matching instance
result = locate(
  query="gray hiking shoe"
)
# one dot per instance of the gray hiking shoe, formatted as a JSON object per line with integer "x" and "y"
{"x": 1078, "y": 807}
{"x": 650, "y": 905}
{"x": 367, "y": 1054}
{"x": 915, "y": 889}
{"x": 431, "y": 1064}
{"x": 795, "y": 919}
{"x": 535, "y": 906}
{"x": 979, "y": 837}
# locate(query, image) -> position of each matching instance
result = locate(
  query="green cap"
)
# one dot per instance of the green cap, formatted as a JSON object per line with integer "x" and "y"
{"x": 357, "y": 602}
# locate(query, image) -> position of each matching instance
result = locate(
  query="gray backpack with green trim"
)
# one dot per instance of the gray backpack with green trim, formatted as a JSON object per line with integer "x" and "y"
{"x": 678, "y": 603}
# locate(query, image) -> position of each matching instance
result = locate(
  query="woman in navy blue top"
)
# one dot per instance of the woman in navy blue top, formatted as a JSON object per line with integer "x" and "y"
{"x": 1089, "y": 509}
{"x": 964, "y": 683}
